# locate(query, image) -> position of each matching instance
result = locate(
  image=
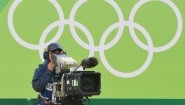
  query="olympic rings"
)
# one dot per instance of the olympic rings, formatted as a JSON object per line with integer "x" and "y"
{"x": 102, "y": 46}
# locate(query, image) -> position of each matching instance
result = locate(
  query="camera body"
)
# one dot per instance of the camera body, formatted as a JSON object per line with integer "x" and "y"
{"x": 72, "y": 81}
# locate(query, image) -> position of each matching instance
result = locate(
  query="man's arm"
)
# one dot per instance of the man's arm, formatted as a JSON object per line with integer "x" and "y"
{"x": 41, "y": 77}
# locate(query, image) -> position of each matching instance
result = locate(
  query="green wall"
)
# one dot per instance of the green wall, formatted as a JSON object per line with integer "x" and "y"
{"x": 149, "y": 64}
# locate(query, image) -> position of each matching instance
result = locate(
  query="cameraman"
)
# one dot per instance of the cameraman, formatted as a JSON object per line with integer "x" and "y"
{"x": 43, "y": 76}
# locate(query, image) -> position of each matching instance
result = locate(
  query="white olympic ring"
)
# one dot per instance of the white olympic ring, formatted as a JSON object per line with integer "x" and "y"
{"x": 28, "y": 45}
{"x": 179, "y": 27}
{"x": 102, "y": 46}
{"x": 142, "y": 68}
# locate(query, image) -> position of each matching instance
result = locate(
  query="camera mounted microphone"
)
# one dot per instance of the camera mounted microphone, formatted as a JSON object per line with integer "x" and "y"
{"x": 89, "y": 62}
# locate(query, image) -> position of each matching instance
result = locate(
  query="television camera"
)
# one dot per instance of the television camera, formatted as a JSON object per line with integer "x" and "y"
{"x": 72, "y": 84}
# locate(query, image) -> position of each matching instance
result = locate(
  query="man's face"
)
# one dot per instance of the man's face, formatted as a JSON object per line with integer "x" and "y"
{"x": 57, "y": 52}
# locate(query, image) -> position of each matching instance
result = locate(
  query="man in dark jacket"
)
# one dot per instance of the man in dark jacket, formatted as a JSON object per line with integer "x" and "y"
{"x": 43, "y": 76}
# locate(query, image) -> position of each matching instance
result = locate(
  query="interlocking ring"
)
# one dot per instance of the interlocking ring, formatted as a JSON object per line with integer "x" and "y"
{"x": 102, "y": 46}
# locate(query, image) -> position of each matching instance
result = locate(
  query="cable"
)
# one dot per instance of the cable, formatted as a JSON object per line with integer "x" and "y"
{"x": 88, "y": 100}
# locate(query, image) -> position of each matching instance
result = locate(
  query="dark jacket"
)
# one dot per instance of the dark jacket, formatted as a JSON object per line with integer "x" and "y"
{"x": 42, "y": 81}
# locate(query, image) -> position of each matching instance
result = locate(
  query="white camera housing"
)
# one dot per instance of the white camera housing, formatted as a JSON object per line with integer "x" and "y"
{"x": 64, "y": 62}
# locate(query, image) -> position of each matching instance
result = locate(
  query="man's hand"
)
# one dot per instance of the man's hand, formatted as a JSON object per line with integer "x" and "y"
{"x": 51, "y": 66}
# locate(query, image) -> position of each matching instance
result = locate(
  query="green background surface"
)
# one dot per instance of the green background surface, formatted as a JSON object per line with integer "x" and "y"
{"x": 163, "y": 79}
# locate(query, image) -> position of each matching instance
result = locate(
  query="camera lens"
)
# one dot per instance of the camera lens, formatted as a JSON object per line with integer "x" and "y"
{"x": 90, "y": 83}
